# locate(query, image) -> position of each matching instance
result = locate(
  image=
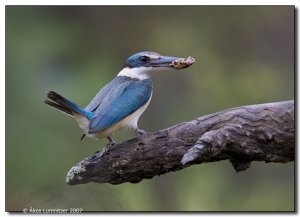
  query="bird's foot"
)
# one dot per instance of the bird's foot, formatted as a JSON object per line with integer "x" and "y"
{"x": 109, "y": 145}
{"x": 111, "y": 142}
{"x": 140, "y": 132}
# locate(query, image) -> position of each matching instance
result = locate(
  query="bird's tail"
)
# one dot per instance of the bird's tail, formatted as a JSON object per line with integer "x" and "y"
{"x": 62, "y": 104}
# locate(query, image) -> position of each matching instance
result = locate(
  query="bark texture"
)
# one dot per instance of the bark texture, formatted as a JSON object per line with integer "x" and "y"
{"x": 263, "y": 132}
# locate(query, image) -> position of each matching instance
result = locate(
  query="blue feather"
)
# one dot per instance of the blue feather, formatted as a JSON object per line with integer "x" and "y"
{"x": 104, "y": 95}
{"x": 66, "y": 105}
{"x": 119, "y": 102}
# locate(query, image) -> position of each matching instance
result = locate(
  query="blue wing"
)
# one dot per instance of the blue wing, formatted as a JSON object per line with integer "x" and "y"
{"x": 117, "y": 84}
{"x": 127, "y": 98}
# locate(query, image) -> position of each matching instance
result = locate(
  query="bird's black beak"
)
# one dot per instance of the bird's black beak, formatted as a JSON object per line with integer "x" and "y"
{"x": 172, "y": 62}
{"x": 163, "y": 61}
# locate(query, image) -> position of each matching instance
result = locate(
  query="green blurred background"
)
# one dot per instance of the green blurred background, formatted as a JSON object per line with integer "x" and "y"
{"x": 245, "y": 55}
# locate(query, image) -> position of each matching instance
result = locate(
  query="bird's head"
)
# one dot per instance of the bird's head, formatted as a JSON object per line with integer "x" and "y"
{"x": 144, "y": 64}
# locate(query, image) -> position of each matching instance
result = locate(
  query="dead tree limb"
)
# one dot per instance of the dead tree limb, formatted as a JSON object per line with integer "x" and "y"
{"x": 263, "y": 132}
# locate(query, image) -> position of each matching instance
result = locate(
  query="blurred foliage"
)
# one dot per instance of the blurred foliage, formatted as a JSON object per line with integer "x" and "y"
{"x": 245, "y": 55}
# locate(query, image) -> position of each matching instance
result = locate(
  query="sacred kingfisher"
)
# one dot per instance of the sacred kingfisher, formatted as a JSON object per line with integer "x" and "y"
{"x": 121, "y": 102}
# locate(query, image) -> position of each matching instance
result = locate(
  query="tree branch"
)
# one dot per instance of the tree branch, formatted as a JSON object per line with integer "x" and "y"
{"x": 263, "y": 132}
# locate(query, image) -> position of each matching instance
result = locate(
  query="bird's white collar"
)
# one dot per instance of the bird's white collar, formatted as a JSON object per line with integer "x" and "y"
{"x": 140, "y": 73}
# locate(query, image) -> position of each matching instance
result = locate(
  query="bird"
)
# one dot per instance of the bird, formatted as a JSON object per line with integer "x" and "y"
{"x": 121, "y": 102}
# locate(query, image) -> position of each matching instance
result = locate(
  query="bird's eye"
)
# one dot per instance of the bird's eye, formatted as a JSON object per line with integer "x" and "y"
{"x": 144, "y": 59}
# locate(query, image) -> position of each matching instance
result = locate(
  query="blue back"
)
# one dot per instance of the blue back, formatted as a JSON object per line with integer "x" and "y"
{"x": 118, "y": 99}
{"x": 102, "y": 96}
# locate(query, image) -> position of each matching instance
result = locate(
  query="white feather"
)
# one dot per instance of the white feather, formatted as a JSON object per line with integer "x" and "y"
{"x": 141, "y": 72}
